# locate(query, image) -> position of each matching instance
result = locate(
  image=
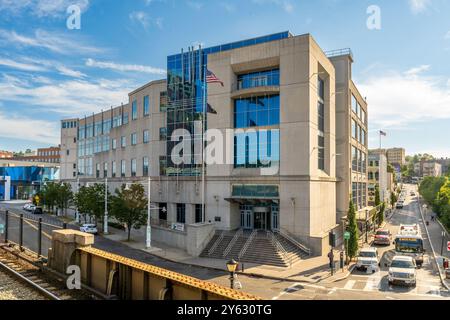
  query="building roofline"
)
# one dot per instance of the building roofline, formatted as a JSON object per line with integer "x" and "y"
{"x": 153, "y": 82}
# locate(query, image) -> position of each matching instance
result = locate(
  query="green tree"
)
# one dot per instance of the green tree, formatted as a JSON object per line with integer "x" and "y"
{"x": 352, "y": 228}
{"x": 393, "y": 199}
{"x": 64, "y": 196}
{"x": 380, "y": 213}
{"x": 377, "y": 196}
{"x": 91, "y": 201}
{"x": 129, "y": 206}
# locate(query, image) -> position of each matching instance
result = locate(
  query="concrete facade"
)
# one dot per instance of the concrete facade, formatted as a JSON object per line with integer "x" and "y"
{"x": 379, "y": 176}
{"x": 309, "y": 201}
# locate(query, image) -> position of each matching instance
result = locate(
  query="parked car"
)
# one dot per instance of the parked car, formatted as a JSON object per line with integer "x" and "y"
{"x": 89, "y": 228}
{"x": 403, "y": 271}
{"x": 29, "y": 206}
{"x": 399, "y": 205}
{"x": 368, "y": 259}
{"x": 383, "y": 237}
{"x": 37, "y": 210}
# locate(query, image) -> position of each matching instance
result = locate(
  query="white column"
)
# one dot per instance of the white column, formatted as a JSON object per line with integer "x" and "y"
{"x": 105, "y": 222}
{"x": 148, "y": 242}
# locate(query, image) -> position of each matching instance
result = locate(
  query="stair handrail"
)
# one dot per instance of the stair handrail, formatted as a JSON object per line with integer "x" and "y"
{"x": 236, "y": 236}
{"x": 216, "y": 243}
{"x": 279, "y": 247}
{"x": 247, "y": 244}
{"x": 294, "y": 241}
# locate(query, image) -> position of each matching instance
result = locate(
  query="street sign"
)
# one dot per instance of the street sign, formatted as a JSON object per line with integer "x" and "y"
{"x": 346, "y": 235}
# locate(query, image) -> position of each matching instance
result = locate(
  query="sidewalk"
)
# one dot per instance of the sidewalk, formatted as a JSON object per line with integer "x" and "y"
{"x": 312, "y": 270}
{"x": 434, "y": 231}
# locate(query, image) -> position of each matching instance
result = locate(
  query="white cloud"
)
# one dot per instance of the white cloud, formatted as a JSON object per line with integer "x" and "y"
{"x": 229, "y": 7}
{"x": 55, "y": 42}
{"x": 417, "y": 70}
{"x": 400, "y": 99}
{"x": 145, "y": 20}
{"x": 124, "y": 67}
{"x": 42, "y": 131}
{"x": 195, "y": 4}
{"x": 20, "y": 66}
{"x": 286, "y": 5}
{"x": 70, "y": 97}
{"x": 419, "y": 6}
{"x": 41, "y": 8}
{"x": 69, "y": 72}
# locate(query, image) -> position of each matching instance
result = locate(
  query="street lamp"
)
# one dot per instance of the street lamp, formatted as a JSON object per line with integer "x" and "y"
{"x": 231, "y": 266}
{"x": 366, "y": 225}
{"x": 77, "y": 213}
{"x": 105, "y": 222}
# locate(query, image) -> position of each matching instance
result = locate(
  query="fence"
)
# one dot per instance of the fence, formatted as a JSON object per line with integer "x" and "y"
{"x": 28, "y": 231}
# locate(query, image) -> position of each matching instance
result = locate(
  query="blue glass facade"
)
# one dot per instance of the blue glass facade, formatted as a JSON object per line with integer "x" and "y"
{"x": 185, "y": 93}
{"x": 259, "y": 79}
{"x": 25, "y": 180}
{"x": 257, "y": 111}
{"x": 257, "y": 149}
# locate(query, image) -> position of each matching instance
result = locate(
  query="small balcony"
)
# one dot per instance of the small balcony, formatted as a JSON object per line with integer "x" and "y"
{"x": 258, "y": 83}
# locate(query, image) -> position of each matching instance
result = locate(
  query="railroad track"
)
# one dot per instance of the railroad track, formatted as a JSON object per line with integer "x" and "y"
{"x": 32, "y": 275}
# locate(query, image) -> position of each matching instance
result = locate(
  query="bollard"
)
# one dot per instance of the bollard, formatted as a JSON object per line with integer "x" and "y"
{"x": 39, "y": 238}
{"x": 21, "y": 232}
{"x": 6, "y": 225}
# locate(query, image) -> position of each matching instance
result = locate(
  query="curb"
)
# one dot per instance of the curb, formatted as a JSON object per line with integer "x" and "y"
{"x": 432, "y": 248}
{"x": 349, "y": 272}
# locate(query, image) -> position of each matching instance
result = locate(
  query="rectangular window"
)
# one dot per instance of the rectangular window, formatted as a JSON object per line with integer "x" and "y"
{"x": 133, "y": 167}
{"x": 355, "y": 194}
{"x": 162, "y": 165}
{"x": 257, "y": 111}
{"x": 123, "y": 168}
{"x": 321, "y": 152}
{"x": 354, "y": 105}
{"x": 181, "y": 213}
{"x": 354, "y": 129}
{"x": 257, "y": 149}
{"x": 145, "y": 166}
{"x": 354, "y": 159}
{"x": 114, "y": 144}
{"x": 163, "y": 134}
{"x": 163, "y": 101}
{"x": 259, "y": 79}
{"x": 133, "y": 139}
{"x": 105, "y": 170}
{"x": 146, "y": 136}
{"x": 134, "y": 110}
{"x": 113, "y": 169}
{"x": 146, "y": 106}
{"x": 163, "y": 211}
{"x": 198, "y": 213}
{"x": 321, "y": 89}
{"x": 97, "y": 170}
{"x": 123, "y": 142}
{"x": 125, "y": 118}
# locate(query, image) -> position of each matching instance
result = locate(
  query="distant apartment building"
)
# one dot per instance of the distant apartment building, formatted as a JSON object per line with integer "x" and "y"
{"x": 5, "y": 154}
{"x": 396, "y": 156}
{"x": 290, "y": 116}
{"x": 378, "y": 176}
{"x": 445, "y": 163}
{"x": 430, "y": 168}
{"x": 45, "y": 155}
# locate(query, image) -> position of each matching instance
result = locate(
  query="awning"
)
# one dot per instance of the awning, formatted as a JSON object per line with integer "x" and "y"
{"x": 253, "y": 200}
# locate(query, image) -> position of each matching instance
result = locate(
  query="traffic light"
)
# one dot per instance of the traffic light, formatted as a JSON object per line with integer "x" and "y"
{"x": 332, "y": 239}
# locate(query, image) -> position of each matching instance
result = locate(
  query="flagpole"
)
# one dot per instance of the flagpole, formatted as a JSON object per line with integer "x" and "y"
{"x": 203, "y": 134}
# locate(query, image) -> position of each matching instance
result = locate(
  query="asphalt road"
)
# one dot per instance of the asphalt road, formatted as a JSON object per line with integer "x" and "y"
{"x": 358, "y": 285}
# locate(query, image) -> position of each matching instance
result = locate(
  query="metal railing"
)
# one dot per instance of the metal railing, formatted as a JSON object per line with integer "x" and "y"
{"x": 38, "y": 231}
{"x": 339, "y": 52}
{"x": 285, "y": 234}
{"x": 216, "y": 244}
{"x": 238, "y": 234}
{"x": 247, "y": 244}
{"x": 279, "y": 247}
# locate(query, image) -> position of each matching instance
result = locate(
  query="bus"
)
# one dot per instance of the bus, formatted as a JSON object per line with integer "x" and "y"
{"x": 409, "y": 242}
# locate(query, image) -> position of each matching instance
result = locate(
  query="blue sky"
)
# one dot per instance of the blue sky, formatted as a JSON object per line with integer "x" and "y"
{"x": 48, "y": 72}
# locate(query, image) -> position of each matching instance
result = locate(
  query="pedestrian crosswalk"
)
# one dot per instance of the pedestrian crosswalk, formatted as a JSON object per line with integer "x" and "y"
{"x": 379, "y": 282}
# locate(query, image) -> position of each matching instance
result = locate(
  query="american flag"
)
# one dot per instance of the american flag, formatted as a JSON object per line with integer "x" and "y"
{"x": 212, "y": 78}
{"x": 382, "y": 133}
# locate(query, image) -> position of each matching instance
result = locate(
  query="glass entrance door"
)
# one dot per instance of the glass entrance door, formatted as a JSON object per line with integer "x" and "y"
{"x": 260, "y": 220}
{"x": 275, "y": 218}
{"x": 246, "y": 217}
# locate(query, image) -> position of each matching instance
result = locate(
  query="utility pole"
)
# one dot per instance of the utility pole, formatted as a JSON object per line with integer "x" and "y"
{"x": 148, "y": 239}
{"x": 105, "y": 219}
{"x": 77, "y": 213}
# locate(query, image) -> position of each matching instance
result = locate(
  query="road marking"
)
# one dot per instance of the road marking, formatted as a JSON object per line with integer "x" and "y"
{"x": 373, "y": 283}
{"x": 349, "y": 285}
{"x": 286, "y": 291}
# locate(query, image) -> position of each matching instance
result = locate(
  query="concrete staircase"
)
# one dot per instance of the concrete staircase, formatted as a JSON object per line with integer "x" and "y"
{"x": 261, "y": 247}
